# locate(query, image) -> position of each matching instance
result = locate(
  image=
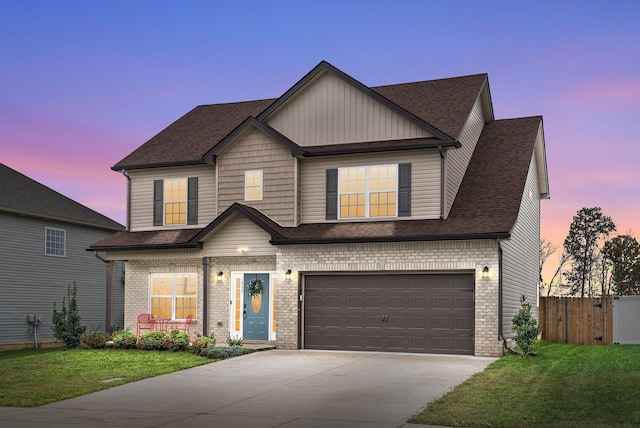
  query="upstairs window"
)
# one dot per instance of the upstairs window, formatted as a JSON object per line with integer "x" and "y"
{"x": 368, "y": 191}
{"x": 253, "y": 185}
{"x": 372, "y": 191}
{"x": 55, "y": 242}
{"x": 175, "y": 201}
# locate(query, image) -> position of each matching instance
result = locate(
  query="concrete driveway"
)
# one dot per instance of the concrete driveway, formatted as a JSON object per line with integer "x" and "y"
{"x": 288, "y": 389}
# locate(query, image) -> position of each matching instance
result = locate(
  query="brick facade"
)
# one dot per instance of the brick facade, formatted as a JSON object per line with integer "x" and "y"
{"x": 436, "y": 256}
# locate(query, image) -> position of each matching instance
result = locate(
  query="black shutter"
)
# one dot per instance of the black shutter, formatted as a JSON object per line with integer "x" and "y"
{"x": 404, "y": 190}
{"x": 158, "y": 190}
{"x": 332, "y": 194}
{"x": 192, "y": 200}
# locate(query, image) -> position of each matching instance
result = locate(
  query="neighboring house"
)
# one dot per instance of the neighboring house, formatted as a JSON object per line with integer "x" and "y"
{"x": 45, "y": 237}
{"x": 392, "y": 218}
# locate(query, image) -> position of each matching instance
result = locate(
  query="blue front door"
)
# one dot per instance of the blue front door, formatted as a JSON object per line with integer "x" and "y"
{"x": 256, "y": 309}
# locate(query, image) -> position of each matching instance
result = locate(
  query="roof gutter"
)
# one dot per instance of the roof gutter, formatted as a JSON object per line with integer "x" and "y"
{"x": 301, "y": 241}
{"x": 124, "y": 172}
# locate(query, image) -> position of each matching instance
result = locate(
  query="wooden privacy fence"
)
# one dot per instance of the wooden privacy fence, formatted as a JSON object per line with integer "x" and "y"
{"x": 582, "y": 321}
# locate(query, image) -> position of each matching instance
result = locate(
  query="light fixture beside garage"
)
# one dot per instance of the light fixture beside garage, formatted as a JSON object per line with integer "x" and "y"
{"x": 287, "y": 275}
{"x": 485, "y": 272}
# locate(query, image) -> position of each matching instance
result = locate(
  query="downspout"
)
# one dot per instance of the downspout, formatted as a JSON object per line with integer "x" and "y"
{"x": 500, "y": 304}
{"x": 205, "y": 292}
{"x": 124, "y": 172}
{"x": 443, "y": 155}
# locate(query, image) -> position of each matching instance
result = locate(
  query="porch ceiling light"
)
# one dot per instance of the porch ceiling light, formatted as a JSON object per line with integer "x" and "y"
{"x": 485, "y": 272}
{"x": 287, "y": 275}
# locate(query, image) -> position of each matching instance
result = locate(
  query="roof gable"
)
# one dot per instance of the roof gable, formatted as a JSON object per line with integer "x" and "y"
{"x": 24, "y": 196}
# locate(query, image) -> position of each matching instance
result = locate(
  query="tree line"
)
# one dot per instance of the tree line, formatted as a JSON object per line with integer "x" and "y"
{"x": 593, "y": 263}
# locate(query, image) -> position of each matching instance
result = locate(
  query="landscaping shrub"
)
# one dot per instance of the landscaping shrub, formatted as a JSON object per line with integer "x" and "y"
{"x": 176, "y": 341}
{"x": 124, "y": 339}
{"x": 231, "y": 341}
{"x": 66, "y": 322}
{"x": 152, "y": 341}
{"x": 96, "y": 339}
{"x": 221, "y": 352}
{"x": 203, "y": 342}
{"x": 525, "y": 328}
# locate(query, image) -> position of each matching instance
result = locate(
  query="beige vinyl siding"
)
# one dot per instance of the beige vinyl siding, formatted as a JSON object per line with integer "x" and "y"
{"x": 256, "y": 151}
{"x": 520, "y": 254}
{"x": 142, "y": 194}
{"x": 331, "y": 111}
{"x": 458, "y": 159}
{"x": 238, "y": 232}
{"x": 425, "y": 181}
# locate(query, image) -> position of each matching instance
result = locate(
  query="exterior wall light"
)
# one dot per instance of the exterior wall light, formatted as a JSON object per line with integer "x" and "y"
{"x": 287, "y": 275}
{"x": 242, "y": 250}
{"x": 220, "y": 276}
{"x": 485, "y": 272}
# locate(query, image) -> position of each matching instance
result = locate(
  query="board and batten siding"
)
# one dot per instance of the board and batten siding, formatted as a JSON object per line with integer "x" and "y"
{"x": 31, "y": 281}
{"x": 458, "y": 159}
{"x": 331, "y": 111}
{"x": 141, "y": 208}
{"x": 238, "y": 232}
{"x": 257, "y": 151}
{"x": 521, "y": 254}
{"x": 425, "y": 182}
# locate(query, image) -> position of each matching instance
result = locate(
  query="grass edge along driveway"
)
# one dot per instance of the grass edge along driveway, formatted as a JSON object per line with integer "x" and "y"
{"x": 31, "y": 377}
{"x": 563, "y": 386}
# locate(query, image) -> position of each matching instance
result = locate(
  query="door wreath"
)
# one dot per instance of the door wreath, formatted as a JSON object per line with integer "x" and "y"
{"x": 255, "y": 287}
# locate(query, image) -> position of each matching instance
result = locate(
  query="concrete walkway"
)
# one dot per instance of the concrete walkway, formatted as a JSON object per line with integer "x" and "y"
{"x": 288, "y": 389}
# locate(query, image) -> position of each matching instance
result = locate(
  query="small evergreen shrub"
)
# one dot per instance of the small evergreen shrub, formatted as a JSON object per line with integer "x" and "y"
{"x": 66, "y": 322}
{"x": 124, "y": 339}
{"x": 222, "y": 352}
{"x": 176, "y": 341}
{"x": 96, "y": 340}
{"x": 526, "y": 329}
{"x": 152, "y": 341}
{"x": 203, "y": 342}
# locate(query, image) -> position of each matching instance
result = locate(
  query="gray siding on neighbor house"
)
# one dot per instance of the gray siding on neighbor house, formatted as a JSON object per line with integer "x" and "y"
{"x": 141, "y": 209}
{"x": 331, "y": 111}
{"x": 257, "y": 151}
{"x": 31, "y": 281}
{"x": 521, "y": 253}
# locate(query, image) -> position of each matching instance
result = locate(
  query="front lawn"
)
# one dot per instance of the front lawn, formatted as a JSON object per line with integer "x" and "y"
{"x": 36, "y": 377}
{"x": 563, "y": 386}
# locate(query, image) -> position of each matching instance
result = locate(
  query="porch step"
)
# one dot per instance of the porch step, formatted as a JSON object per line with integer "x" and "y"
{"x": 258, "y": 345}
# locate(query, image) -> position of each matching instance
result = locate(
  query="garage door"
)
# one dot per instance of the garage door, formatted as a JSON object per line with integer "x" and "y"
{"x": 395, "y": 313}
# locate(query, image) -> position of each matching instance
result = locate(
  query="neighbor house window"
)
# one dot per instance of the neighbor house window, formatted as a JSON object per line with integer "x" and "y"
{"x": 253, "y": 185}
{"x": 175, "y": 201}
{"x": 173, "y": 295}
{"x": 368, "y": 191}
{"x": 55, "y": 242}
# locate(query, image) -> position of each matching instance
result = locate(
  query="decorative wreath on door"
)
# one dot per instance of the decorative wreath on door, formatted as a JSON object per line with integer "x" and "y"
{"x": 255, "y": 287}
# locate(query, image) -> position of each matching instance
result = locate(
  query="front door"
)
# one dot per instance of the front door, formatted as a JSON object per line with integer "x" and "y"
{"x": 256, "y": 308}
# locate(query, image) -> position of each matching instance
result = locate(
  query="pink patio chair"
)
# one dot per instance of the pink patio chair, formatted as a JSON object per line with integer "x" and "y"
{"x": 184, "y": 326}
{"x": 145, "y": 323}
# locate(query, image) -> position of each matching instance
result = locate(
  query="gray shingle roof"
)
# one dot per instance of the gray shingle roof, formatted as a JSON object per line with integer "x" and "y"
{"x": 24, "y": 196}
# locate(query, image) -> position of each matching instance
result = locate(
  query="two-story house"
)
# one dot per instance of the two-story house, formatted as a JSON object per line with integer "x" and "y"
{"x": 392, "y": 218}
{"x": 44, "y": 240}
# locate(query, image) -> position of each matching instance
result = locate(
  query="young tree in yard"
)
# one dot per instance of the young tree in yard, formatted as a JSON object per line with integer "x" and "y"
{"x": 588, "y": 227}
{"x": 623, "y": 255}
{"x": 525, "y": 327}
{"x": 66, "y": 322}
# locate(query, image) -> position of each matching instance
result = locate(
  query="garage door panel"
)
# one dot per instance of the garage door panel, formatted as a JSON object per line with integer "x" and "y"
{"x": 390, "y": 312}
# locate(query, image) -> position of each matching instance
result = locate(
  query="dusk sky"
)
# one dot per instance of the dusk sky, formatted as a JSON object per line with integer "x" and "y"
{"x": 84, "y": 83}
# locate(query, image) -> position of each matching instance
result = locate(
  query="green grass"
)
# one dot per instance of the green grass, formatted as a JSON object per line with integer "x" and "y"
{"x": 563, "y": 386}
{"x": 36, "y": 377}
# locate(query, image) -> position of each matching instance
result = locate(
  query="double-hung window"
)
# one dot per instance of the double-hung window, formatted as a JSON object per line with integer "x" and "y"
{"x": 368, "y": 191}
{"x": 175, "y": 201}
{"x": 55, "y": 242}
{"x": 253, "y": 185}
{"x": 173, "y": 295}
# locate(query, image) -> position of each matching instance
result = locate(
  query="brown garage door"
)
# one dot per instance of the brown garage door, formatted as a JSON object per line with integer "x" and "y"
{"x": 397, "y": 313}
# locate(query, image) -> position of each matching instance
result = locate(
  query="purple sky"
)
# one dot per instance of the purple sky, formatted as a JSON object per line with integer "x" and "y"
{"x": 85, "y": 83}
